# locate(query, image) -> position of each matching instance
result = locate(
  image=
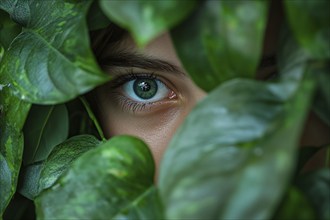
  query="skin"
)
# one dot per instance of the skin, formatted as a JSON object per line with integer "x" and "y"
{"x": 157, "y": 122}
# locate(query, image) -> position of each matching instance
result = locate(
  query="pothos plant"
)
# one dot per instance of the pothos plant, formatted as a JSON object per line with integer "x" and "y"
{"x": 237, "y": 154}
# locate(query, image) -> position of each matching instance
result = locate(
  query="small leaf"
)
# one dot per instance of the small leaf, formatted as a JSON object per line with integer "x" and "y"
{"x": 96, "y": 19}
{"x": 51, "y": 60}
{"x": 310, "y": 22}
{"x": 13, "y": 113}
{"x": 295, "y": 206}
{"x": 45, "y": 127}
{"x": 225, "y": 41}
{"x": 79, "y": 120}
{"x": 291, "y": 54}
{"x": 2, "y": 52}
{"x": 8, "y": 30}
{"x": 110, "y": 178}
{"x": 146, "y": 20}
{"x": 38, "y": 176}
{"x": 62, "y": 157}
{"x": 28, "y": 180}
{"x": 321, "y": 104}
{"x": 236, "y": 145}
{"x": 316, "y": 186}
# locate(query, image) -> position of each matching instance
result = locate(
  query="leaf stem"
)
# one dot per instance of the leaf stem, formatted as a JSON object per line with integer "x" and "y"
{"x": 92, "y": 117}
{"x": 327, "y": 159}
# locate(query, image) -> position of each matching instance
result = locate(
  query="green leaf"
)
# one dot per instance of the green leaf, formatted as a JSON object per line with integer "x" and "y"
{"x": 310, "y": 22}
{"x": 12, "y": 117}
{"x": 51, "y": 60}
{"x": 291, "y": 54}
{"x": 45, "y": 127}
{"x": 146, "y": 20}
{"x": 225, "y": 41}
{"x": 80, "y": 122}
{"x": 147, "y": 206}
{"x": 110, "y": 178}
{"x": 235, "y": 152}
{"x": 39, "y": 176}
{"x": 295, "y": 206}
{"x": 321, "y": 104}
{"x": 28, "y": 180}
{"x": 316, "y": 186}
{"x": 96, "y": 19}
{"x": 2, "y": 52}
{"x": 63, "y": 156}
{"x": 8, "y": 29}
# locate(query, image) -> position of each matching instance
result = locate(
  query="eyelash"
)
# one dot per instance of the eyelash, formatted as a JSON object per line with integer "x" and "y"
{"x": 125, "y": 102}
{"x": 123, "y": 78}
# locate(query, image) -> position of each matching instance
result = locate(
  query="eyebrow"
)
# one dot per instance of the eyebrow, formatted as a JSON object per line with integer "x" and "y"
{"x": 133, "y": 59}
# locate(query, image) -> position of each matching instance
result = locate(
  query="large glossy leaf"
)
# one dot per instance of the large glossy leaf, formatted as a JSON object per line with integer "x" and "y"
{"x": 147, "y": 19}
{"x": 38, "y": 176}
{"x": 50, "y": 61}
{"x": 225, "y": 40}
{"x": 12, "y": 116}
{"x": 316, "y": 186}
{"x": 310, "y": 21}
{"x": 102, "y": 183}
{"x": 45, "y": 127}
{"x": 235, "y": 152}
{"x": 8, "y": 29}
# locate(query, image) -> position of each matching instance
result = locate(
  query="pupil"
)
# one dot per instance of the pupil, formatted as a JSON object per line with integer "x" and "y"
{"x": 145, "y": 88}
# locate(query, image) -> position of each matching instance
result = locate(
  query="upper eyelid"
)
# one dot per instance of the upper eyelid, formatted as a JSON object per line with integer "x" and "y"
{"x": 120, "y": 79}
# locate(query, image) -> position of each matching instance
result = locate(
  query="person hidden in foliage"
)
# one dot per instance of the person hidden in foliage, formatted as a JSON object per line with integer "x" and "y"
{"x": 151, "y": 93}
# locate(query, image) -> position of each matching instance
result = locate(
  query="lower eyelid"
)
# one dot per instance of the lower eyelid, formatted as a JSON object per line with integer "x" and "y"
{"x": 133, "y": 107}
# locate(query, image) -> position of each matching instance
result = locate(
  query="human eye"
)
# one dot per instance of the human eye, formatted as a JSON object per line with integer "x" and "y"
{"x": 142, "y": 92}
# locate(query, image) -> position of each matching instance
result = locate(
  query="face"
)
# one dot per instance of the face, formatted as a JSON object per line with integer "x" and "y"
{"x": 150, "y": 95}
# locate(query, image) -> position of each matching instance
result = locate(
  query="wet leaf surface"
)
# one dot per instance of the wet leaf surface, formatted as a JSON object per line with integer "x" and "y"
{"x": 51, "y": 60}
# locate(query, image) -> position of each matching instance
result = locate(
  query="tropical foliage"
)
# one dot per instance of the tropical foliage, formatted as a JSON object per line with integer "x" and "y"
{"x": 237, "y": 154}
